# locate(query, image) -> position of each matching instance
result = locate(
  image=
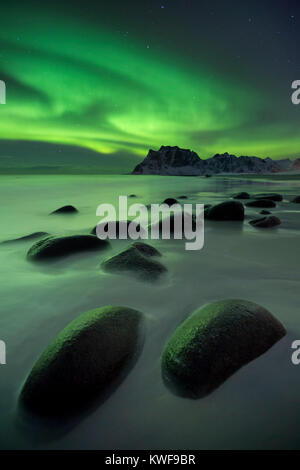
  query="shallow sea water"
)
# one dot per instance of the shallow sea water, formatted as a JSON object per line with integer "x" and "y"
{"x": 258, "y": 407}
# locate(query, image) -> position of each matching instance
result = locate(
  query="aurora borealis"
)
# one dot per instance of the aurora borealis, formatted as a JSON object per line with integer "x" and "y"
{"x": 132, "y": 75}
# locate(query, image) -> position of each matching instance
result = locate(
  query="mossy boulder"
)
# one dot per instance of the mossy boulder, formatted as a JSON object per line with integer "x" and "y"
{"x": 270, "y": 196}
{"x": 214, "y": 342}
{"x": 266, "y": 222}
{"x": 31, "y": 236}
{"x": 228, "y": 210}
{"x": 241, "y": 195}
{"x": 88, "y": 357}
{"x": 65, "y": 210}
{"x": 133, "y": 262}
{"x": 57, "y": 247}
{"x": 296, "y": 200}
{"x": 261, "y": 203}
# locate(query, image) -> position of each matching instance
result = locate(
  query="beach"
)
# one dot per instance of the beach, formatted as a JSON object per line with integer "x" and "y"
{"x": 256, "y": 408}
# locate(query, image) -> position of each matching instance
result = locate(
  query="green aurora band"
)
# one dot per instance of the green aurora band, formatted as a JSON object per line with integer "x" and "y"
{"x": 69, "y": 82}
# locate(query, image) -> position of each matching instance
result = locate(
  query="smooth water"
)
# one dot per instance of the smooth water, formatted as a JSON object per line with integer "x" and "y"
{"x": 258, "y": 407}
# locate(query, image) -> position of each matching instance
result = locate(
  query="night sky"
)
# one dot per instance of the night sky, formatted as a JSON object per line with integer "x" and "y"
{"x": 123, "y": 76}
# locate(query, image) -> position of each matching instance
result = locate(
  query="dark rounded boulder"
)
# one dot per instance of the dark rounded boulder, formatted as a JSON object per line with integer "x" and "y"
{"x": 132, "y": 195}
{"x": 266, "y": 222}
{"x": 170, "y": 201}
{"x": 65, "y": 210}
{"x": 269, "y": 196}
{"x": 145, "y": 249}
{"x": 57, "y": 247}
{"x": 214, "y": 342}
{"x": 241, "y": 195}
{"x": 133, "y": 262}
{"x": 228, "y": 210}
{"x": 296, "y": 200}
{"x": 261, "y": 203}
{"x": 89, "y": 356}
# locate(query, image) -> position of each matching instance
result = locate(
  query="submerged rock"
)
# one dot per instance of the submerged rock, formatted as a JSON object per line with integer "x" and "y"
{"x": 261, "y": 203}
{"x": 269, "y": 196}
{"x": 132, "y": 261}
{"x": 266, "y": 222}
{"x": 228, "y": 210}
{"x": 87, "y": 357}
{"x": 296, "y": 200}
{"x": 145, "y": 249}
{"x": 214, "y": 342}
{"x": 57, "y": 247}
{"x": 32, "y": 236}
{"x": 242, "y": 195}
{"x": 65, "y": 210}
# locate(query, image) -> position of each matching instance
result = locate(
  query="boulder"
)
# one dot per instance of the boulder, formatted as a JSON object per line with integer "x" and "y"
{"x": 133, "y": 262}
{"x": 214, "y": 342}
{"x": 145, "y": 249}
{"x": 228, "y": 210}
{"x": 32, "y": 236}
{"x": 58, "y": 247}
{"x": 269, "y": 196}
{"x": 242, "y": 195}
{"x": 296, "y": 200}
{"x": 170, "y": 201}
{"x": 89, "y": 356}
{"x": 65, "y": 210}
{"x": 132, "y": 195}
{"x": 261, "y": 203}
{"x": 266, "y": 222}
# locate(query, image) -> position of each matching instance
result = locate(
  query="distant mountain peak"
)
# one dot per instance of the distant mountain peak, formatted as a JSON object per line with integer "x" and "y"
{"x": 176, "y": 161}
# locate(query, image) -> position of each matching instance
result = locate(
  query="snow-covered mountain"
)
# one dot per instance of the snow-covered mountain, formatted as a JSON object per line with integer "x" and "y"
{"x": 175, "y": 161}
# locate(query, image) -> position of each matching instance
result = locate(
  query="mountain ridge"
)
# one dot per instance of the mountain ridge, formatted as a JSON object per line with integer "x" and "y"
{"x": 170, "y": 160}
